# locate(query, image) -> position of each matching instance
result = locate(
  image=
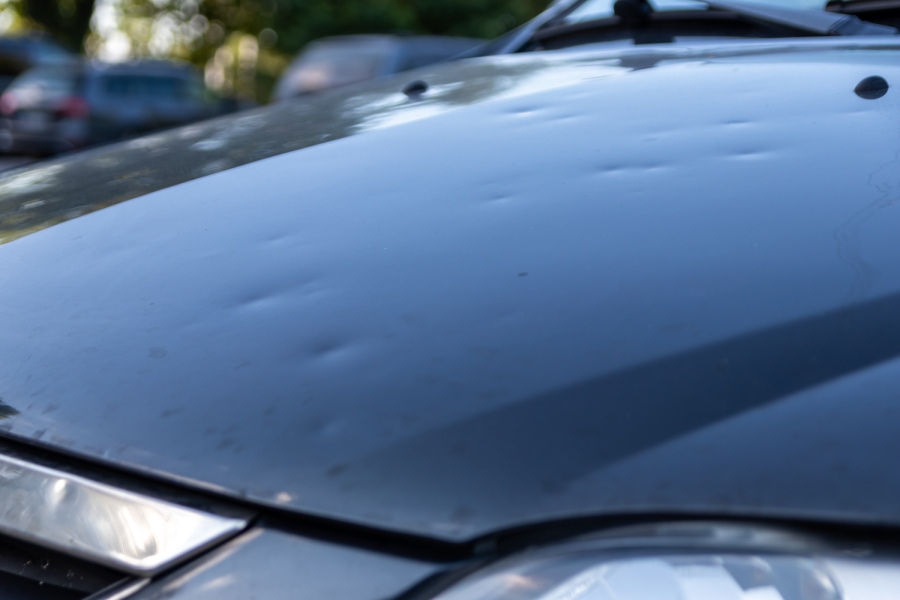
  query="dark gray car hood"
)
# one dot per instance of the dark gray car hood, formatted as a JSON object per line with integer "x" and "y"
{"x": 665, "y": 281}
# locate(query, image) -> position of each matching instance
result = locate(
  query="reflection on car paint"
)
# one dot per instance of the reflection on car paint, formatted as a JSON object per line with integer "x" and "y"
{"x": 304, "y": 285}
{"x": 290, "y": 566}
{"x": 106, "y": 176}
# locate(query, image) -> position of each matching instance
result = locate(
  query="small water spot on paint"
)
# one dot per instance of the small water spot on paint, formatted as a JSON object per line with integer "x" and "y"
{"x": 32, "y": 205}
{"x": 209, "y": 144}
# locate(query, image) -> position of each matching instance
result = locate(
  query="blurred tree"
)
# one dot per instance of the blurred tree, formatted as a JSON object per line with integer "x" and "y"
{"x": 244, "y": 44}
{"x": 68, "y": 21}
{"x": 283, "y": 27}
{"x": 300, "y": 21}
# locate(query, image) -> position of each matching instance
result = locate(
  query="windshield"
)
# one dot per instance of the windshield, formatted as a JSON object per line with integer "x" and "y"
{"x": 598, "y": 9}
{"x": 639, "y": 22}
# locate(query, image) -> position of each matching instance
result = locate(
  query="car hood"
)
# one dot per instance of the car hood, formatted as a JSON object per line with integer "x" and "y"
{"x": 556, "y": 285}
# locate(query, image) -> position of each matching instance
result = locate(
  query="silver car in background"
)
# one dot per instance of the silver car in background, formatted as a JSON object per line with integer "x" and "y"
{"x": 336, "y": 61}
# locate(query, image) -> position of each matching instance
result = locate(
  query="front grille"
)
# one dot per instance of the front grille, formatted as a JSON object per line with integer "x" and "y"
{"x": 31, "y": 573}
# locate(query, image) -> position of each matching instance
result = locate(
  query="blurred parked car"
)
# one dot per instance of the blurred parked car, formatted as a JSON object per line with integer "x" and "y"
{"x": 19, "y": 53}
{"x": 62, "y": 107}
{"x": 336, "y": 61}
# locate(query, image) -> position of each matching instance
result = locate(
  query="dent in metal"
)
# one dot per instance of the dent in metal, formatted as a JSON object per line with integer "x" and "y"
{"x": 97, "y": 522}
{"x": 62, "y": 189}
{"x": 492, "y": 338}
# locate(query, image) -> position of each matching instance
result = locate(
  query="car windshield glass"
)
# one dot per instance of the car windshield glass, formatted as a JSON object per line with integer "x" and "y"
{"x": 143, "y": 86}
{"x": 598, "y": 9}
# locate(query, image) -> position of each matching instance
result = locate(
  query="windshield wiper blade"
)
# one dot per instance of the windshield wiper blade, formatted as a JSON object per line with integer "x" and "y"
{"x": 817, "y": 22}
{"x": 855, "y": 7}
{"x": 810, "y": 21}
{"x": 514, "y": 40}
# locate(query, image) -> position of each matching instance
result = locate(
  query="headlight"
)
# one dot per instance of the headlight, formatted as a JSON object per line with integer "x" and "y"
{"x": 685, "y": 562}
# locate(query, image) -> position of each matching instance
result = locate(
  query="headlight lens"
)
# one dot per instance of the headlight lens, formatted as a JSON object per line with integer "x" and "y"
{"x": 649, "y": 569}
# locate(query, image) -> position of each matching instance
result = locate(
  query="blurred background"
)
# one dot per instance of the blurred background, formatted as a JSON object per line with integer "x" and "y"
{"x": 76, "y": 73}
{"x": 242, "y": 46}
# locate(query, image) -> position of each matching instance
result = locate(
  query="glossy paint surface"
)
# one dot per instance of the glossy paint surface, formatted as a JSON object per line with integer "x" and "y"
{"x": 584, "y": 283}
{"x": 270, "y": 564}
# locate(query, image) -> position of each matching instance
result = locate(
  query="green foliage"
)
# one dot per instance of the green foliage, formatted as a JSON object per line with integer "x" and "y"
{"x": 296, "y": 22}
{"x": 299, "y": 21}
{"x": 67, "y": 20}
{"x": 244, "y": 44}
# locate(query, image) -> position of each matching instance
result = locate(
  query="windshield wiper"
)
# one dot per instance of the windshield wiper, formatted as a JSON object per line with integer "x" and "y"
{"x": 858, "y": 6}
{"x": 885, "y": 12}
{"x": 515, "y": 40}
{"x": 640, "y": 17}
